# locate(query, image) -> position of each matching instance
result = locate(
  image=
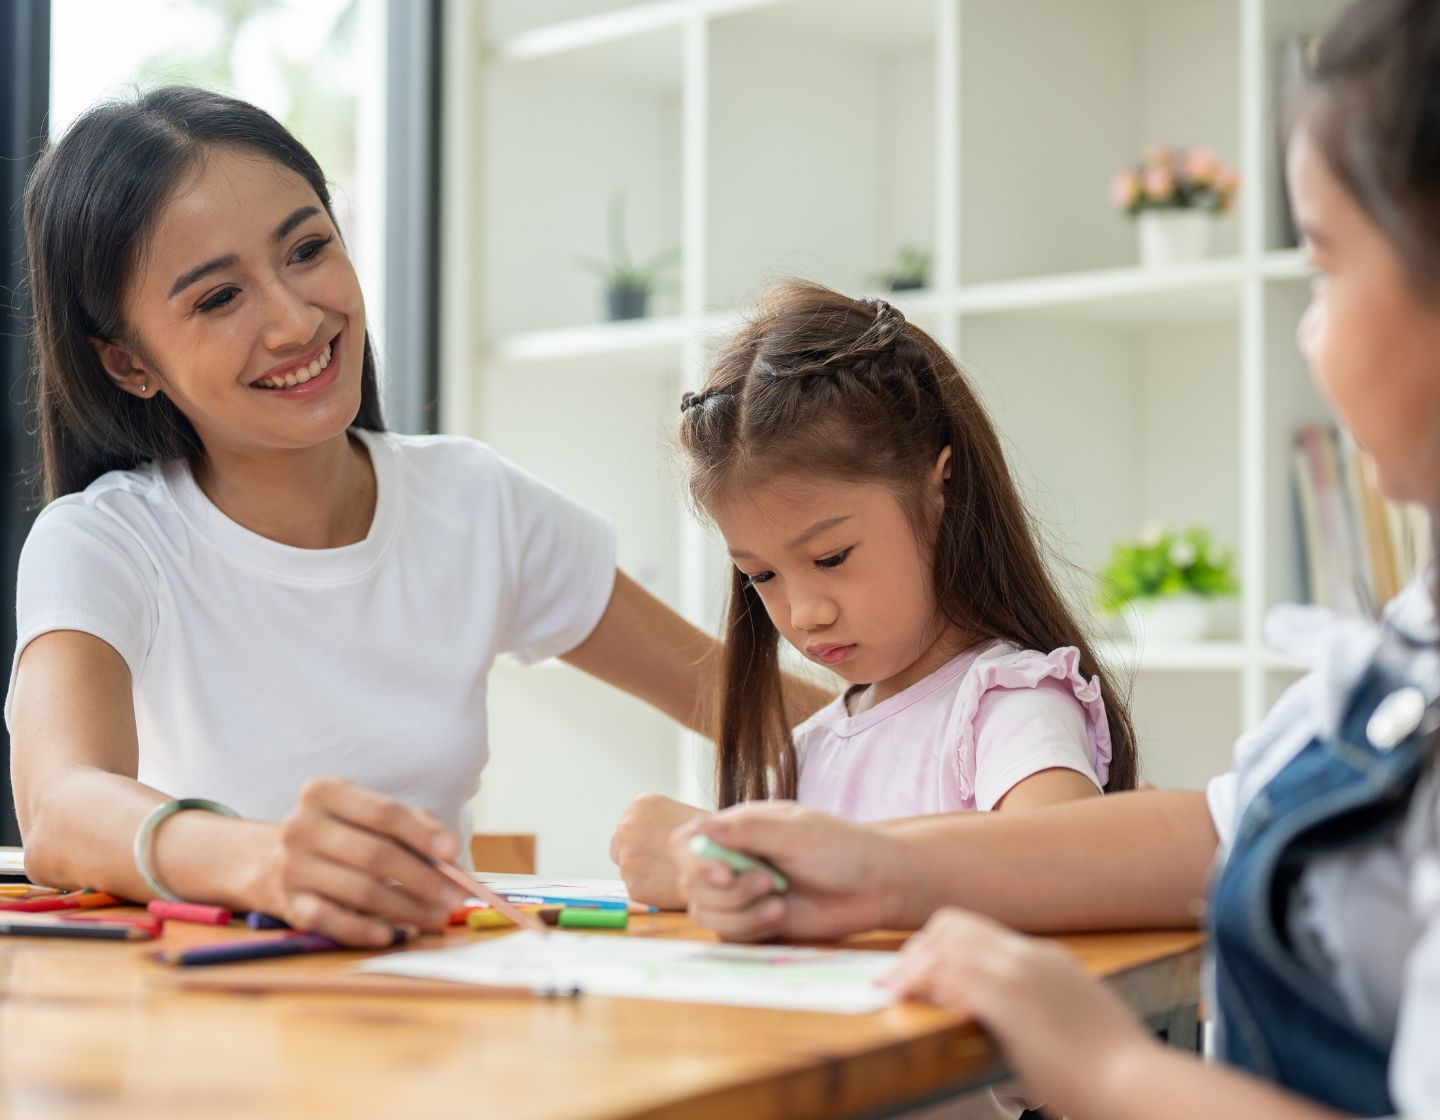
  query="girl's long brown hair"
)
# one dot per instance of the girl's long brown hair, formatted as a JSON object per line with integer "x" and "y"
{"x": 822, "y": 384}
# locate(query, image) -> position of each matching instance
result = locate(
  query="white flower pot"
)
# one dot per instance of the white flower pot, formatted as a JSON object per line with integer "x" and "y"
{"x": 1175, "y": 618}
{"x": 1173, "y": 237}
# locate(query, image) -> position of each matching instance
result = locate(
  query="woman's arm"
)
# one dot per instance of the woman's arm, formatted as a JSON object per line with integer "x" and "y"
{"x": 1129, "y": 860}
{"x": 643, "y": 647}
{"x": 333, "y": 866}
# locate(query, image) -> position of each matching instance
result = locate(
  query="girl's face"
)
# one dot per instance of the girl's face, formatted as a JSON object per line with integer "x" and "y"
{"x": 245, "y": 311}
{"x": 1373, "y": 343}
{"x": 841, "y": 573}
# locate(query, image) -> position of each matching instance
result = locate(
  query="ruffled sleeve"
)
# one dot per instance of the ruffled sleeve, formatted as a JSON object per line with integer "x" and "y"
{"x": 1021, "y": 711}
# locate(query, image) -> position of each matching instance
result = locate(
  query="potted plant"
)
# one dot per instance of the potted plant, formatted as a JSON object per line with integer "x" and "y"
{"x": 628, "y": 284}
{"x": 1175, "y": 194}
{"x": 1165, "y": 582}
{"x": 911, "y": 271}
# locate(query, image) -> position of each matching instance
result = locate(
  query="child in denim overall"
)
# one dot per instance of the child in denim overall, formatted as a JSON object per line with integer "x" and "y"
{"x": 1316, "y": 864}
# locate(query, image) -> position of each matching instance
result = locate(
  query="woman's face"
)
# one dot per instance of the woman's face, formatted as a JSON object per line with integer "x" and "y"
{"x": 1372, "y": 342}
{"x": 245, "y": 310}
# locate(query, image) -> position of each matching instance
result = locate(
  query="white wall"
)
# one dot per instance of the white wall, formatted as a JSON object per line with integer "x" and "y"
{"x": 567, "y": 752}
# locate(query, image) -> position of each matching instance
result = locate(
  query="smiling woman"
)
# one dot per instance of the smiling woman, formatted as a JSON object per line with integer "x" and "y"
{"x": 245, "y": 593}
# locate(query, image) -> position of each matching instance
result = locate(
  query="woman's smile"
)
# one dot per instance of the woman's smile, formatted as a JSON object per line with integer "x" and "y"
{"x": 305, "y": 377}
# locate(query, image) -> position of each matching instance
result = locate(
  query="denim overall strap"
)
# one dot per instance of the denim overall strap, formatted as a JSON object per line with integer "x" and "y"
{"x": 1277, "y": 1017}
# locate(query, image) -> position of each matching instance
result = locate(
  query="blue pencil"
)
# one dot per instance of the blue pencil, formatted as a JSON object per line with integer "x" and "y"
{"x": 565, "y": 900}
{"x": 231, "y": 951}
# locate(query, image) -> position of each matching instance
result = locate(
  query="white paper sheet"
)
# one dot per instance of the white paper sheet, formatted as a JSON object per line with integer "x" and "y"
{"x": 607, "y": 891}
{"x": 781, "y": 977}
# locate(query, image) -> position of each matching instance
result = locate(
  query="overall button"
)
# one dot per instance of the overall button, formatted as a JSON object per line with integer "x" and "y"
{"x": 1395, "y": 718}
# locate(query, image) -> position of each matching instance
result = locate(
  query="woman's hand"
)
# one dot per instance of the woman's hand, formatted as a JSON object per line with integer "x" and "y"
{"x": 1067, "y": 1036}
{"x": 843, "y": 876}
{"x": 640, "y": 848}
{"x": 349, "y": 863}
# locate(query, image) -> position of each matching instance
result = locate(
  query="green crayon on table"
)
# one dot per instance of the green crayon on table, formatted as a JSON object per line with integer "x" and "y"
{"x": 738, "y": 862}
{"x": 574, "y": 917}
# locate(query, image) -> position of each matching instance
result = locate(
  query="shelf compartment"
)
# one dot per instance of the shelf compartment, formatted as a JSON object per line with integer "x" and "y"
{"x": 565, "y": 137}
{"x": 612, "y": 343}
{"x": 1035, "y": 196}
{"x": 1186, "y": 657}
{"x": 821, "y": 145}
{"x": 1205, "y": 292}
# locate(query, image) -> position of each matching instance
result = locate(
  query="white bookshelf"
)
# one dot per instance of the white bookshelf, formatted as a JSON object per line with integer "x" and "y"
{"x": 815, "y": 137}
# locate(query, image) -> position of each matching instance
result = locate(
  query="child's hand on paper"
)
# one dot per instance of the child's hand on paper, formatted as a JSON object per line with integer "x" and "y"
{"x": 841, "y": 874}
{"x": 349, "y": 863}
{"x": 1068, "y": 1037}
{"x": 640, "y": 849}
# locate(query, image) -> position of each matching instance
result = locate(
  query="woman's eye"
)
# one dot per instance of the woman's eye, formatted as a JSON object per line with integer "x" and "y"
{"x": 311, "y": 249}
{"x": 757, "y": 579}
{"x": 833, "y": 561}
{"x": 219, "y": 299}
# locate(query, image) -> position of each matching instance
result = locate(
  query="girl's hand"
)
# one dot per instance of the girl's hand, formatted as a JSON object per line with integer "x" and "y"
{"x": 640, "y": 849}
{"x": 1067, "y": 1036}
{"x": 843, "y": 876}
{"x": 349, "y": 863}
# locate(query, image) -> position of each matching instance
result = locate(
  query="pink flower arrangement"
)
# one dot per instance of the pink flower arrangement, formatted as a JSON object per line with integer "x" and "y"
{"x": 1176, "y": 179}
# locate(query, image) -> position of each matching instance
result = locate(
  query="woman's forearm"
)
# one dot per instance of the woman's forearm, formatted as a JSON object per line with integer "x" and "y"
{"x": 74, "y": 757}
{"x": 82, "y": 835}
{"x": 1127, "y": 860}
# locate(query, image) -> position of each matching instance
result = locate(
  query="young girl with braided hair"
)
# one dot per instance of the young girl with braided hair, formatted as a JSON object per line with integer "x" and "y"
{"x": 864, "y": 499}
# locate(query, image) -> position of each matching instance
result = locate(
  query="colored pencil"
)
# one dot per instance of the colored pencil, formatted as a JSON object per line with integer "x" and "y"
{"x": 253, "y": 980}
{"x": 479, "y": 890}
{"x": 93, "y": 931}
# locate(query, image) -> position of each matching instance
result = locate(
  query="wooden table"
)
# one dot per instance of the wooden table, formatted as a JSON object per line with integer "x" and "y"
{"x": 88, "y": 1029}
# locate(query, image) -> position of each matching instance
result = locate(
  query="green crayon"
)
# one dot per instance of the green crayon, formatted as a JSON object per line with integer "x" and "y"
{"x": 573, "y": 917}
{"x": 740, "y": 863}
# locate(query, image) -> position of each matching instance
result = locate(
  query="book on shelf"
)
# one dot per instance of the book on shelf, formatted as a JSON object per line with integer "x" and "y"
{"x": 1359, "y": 548}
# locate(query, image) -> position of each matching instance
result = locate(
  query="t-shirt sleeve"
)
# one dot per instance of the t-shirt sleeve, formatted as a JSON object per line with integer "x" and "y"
{"x": 80, "y": 569}
{"x": 1020, "y": 732}
{"x": 560, "y": 567}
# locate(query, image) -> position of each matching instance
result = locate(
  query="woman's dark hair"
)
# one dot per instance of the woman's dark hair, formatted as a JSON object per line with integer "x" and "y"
{"x": 90, "y": 207}
{"x": 820, "y": 383}
{"x": 1372, "y": 108}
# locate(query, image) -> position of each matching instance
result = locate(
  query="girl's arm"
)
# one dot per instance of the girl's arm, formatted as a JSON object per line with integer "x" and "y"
{"x": 1125, "y": 861}
{"x": 1073, "y": 1043}
{"x": 333, "y": 866}
{"x": 644, "y": 648}
{"x": 1048, "y": 787}
{"x": 640, "y": 848}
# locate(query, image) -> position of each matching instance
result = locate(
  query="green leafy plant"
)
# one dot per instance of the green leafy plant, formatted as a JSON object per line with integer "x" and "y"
{"x": 911, "y": 271}
{"x": 1161, "y": 563}
{"x": 621, "y": 273}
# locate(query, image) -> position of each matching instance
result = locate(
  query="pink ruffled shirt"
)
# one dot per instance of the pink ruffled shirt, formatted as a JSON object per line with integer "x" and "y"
{"x": 959, "y": 739}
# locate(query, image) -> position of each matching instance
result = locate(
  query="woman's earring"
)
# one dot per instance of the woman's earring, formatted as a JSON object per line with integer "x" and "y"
{"x": 143, "y": 389}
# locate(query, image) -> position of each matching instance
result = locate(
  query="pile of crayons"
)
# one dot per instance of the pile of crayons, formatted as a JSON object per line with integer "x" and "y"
{"x": 65, "y": 916}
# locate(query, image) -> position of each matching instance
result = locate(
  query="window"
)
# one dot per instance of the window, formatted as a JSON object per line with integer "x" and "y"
{"x": 312, "y": 64}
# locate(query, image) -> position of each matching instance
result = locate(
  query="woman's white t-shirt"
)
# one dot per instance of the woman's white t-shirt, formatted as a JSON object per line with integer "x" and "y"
{"x": 256, "y": 665}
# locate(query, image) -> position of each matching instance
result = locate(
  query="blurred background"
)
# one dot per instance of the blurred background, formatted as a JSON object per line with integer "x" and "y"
{"x": 559, "y": 209}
